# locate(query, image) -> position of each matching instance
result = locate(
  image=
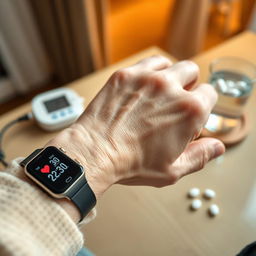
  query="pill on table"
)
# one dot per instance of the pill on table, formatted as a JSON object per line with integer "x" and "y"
{"x": 194, "y": 192}
{"x": 209, "y": 193}
{"x": 196, "y": 204}
{"x": 214, "y": 210}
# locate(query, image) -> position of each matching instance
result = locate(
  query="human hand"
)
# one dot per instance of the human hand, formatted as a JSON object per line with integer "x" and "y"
{"x": 139, "y": 129}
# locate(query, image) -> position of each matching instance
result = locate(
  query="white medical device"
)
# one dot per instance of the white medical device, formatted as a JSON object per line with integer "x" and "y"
{"x": 57, "y": 109}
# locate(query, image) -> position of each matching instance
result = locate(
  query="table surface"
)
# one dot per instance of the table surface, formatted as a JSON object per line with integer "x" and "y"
{"x": 151, "y": 221}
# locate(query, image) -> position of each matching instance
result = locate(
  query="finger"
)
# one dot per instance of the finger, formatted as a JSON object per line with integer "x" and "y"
{"x": 153, "y": 63}
{"x": 207, "y": 95}
{"x": 197, "y": 154}
{"x": 184, "y": 73}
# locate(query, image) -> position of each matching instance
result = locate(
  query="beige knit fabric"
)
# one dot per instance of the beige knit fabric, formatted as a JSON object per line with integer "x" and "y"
{"x": 31, "y": 223}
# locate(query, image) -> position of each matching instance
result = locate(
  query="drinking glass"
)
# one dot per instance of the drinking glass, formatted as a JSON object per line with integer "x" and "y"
{"x": 233, "y": 79}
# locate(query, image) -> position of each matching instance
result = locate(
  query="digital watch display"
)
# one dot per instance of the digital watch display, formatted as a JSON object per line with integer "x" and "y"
{"x": 54, "y": 170}
{"x": 60, "y": 176}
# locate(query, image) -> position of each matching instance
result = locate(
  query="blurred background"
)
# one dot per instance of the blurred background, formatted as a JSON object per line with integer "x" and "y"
{"x": 46, "y": 44}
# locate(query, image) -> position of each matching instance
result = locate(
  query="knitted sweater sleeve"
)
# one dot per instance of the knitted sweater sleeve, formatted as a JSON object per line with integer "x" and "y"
{"x": 31, "y": 223}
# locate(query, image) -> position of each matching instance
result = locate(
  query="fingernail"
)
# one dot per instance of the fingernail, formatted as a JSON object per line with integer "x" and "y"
{"x": 219, "y": 149}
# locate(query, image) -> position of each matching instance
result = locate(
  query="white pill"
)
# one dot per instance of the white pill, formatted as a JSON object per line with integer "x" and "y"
{"x": 231, "y": 84}
{"x": 209, "y": 193}
{"x": 234, "y": 92}
{"x": 196, "y": 204}
{"x": 194, "y": 192}
{"x": 214, "y": 210}
{"x": 221, "y": 85}
{"x": 242, "y": 85}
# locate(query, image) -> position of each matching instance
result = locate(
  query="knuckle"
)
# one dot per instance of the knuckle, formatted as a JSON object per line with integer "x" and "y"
{"x": 194, "y": 107}
{"x": 158, "y": 56}
{"x": 154, "y": 80}
{"x": 173, "y": 78}
{"x": 121, "y": 75}
{"x": 191, "y": 64}
{"x": 197, "y": 106}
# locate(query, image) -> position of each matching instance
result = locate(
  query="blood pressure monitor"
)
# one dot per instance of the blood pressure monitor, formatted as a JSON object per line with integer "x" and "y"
{"x": 57, "y": 109}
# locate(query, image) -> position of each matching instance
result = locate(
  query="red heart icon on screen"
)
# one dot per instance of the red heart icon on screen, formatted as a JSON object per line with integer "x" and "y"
{"x": 45, "y": 169}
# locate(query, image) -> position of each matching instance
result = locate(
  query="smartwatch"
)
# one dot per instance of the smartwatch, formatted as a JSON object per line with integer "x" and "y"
{"x": 60, "y": 176}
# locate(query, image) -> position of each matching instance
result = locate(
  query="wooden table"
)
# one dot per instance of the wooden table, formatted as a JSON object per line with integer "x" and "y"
{"x": 149, "y": 221}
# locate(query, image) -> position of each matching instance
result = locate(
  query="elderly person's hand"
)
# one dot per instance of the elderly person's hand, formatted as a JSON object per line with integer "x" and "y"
{"x": 139, "y": 129}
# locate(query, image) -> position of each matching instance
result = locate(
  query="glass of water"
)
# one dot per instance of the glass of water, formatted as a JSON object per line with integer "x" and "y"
{"x": 233, "y": 79}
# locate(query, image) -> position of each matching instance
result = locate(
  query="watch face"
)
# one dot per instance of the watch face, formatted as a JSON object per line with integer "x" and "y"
{"x": 54, "y": 170}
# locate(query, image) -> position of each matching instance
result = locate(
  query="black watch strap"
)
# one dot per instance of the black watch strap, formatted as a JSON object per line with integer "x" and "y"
{"x": 30, "y": 157}
{"x": 81, "y": 194}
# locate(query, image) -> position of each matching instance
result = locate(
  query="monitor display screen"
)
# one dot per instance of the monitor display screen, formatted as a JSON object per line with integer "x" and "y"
{"x": 56, "y": 104}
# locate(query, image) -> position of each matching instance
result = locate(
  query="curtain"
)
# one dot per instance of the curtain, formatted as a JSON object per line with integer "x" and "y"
{"x": 188, "y": 27}
{"x": 248, "y": 11}
{"x": 39, "y": 40}
{"x": 252, "y": 24}
{"x": 22, "y": 52}
{"x": 72, "y": 32}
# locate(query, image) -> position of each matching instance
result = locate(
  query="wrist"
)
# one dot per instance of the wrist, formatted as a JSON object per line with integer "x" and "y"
{"x": 79, "y": 145}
